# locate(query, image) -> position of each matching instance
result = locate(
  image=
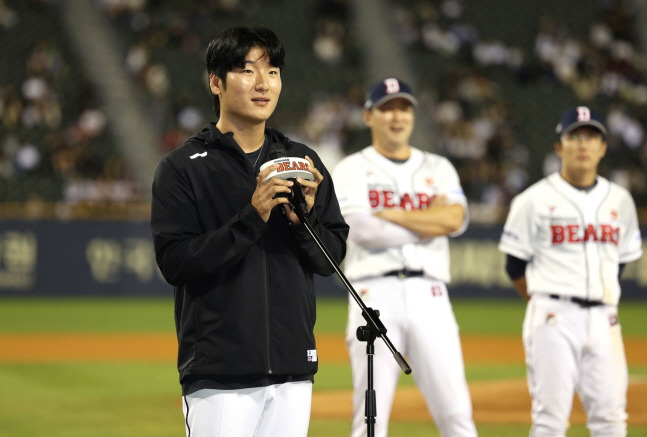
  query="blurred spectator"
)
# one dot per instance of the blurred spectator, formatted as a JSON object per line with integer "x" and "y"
{"x": 329, "y": 43}
{"x": 8, "y": 16}
{"x": 27, "y": 158}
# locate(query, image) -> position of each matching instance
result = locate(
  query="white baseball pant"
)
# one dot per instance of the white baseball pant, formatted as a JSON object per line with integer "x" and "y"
{"x": 421, "y": 325}
{"x": 276, "y": 410}
{"x": 573, "y": 349}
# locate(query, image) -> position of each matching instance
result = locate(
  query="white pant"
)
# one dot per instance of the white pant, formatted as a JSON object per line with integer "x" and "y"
{"x": 276, "y": 410}
{"x": 420, "y": 323}
{"x": 573, "y": 349}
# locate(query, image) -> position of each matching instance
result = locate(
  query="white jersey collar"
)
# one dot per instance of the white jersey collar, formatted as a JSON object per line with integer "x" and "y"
{"x": 571, "y": 192}
{"x": 414, "y": 160}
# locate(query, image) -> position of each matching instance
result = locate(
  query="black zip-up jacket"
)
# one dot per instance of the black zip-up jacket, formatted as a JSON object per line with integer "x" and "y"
{"x": 244, "y": 289}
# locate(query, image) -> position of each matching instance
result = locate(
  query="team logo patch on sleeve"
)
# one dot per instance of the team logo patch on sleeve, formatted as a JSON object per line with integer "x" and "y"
{"x": 312, "y": 355}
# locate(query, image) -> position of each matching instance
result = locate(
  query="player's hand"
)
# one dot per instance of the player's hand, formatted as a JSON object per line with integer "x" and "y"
{"x": 309, "y": 190}
{"x": 398, "y": 215}
{"x": 264, "y": 197}
{"x": 439, "y": 200}
{"x": 439, "y": 219}
{"x": 393, "y": 215}
{"x": 310, "y": 187}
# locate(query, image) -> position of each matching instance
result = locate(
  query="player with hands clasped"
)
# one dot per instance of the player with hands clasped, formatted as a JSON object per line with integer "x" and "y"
{"x": 567, "y": 239}
{"x": 239, "y": 259}
{"x": 401, "y": 204}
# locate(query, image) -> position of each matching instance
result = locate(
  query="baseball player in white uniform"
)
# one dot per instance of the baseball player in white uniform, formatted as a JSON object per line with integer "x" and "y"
{"x": 401, "y": 204}
{"x": 567, "y": 239}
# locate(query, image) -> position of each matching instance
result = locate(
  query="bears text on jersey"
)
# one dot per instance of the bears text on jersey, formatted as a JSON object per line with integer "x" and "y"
{"x": 390, "y": 199}
{"x": 572, "y": 233}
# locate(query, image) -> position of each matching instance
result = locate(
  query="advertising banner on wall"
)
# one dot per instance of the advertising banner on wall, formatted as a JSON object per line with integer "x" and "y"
{"x": 78, "y": 258}
{"x": 103, "y": 258}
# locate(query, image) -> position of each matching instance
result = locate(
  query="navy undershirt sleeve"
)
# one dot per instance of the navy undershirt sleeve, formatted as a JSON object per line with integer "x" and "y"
{"x": 515, "y": 267}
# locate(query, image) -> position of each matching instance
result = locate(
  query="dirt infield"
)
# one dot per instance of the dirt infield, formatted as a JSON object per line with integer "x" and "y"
{"x": 499, "y": 401}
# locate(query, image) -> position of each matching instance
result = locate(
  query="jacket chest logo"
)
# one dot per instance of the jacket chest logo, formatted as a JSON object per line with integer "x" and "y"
{"x": 198, "y": 155}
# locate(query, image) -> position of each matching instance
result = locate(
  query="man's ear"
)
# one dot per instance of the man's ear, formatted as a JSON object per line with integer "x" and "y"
{"x": 215, "y": 84}
{"x": 367, "y": 117}
{"x": 558, "y": 148}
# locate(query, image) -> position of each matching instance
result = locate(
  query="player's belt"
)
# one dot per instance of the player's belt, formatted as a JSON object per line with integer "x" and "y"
{"x": 405, "y": 273}
{"x": 578, "y": 300}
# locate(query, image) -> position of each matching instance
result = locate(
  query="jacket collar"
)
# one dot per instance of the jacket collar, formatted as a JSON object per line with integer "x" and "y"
{"x": 211, "y": 136}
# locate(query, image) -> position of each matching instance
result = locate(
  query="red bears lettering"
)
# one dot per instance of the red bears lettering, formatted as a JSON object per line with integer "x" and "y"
{"x": 571, "y": 230}
{"x": 388, "y": 199}
{"x": 609, "y": 233}
{"x": 374, "y": 198}
{"x": 287, "y": 166}
{"x": 423, "y": 200}
{"x": 558, "y": 233}
{"x": 406, "y": 202}
{"x": 590, "y": 233}
{"x": 569, "y": 233}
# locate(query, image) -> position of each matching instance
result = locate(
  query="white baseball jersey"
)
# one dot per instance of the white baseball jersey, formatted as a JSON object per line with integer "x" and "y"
{"x": 368, "y": 182}
{"x": 573, "y": 239}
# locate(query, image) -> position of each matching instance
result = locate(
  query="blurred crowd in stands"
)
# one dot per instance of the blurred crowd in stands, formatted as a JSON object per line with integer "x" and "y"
{"x": 54, "y": 145}
{"x": 476, "y": 123}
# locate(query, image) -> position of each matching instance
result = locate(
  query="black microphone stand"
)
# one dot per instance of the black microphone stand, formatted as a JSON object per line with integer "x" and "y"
{"x": 374, "y": 326}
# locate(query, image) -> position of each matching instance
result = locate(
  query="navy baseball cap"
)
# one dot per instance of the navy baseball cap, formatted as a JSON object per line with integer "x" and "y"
{"x": 388, "y": 89}
{"x": 580, "y": 116}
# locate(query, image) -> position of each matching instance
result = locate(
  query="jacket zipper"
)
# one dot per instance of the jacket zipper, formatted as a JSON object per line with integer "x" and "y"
{"x": 266, "y": 290}
{"x": 266, "y": 287}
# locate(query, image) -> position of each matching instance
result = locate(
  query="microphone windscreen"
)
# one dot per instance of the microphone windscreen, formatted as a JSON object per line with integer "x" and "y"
{"x": 277, "y": 150}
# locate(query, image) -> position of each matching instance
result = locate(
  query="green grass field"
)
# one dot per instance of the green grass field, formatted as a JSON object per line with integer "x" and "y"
{"x": 141, "y": 398}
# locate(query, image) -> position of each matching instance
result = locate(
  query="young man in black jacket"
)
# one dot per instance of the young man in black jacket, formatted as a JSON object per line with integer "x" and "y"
{"x": 240, "y": 260}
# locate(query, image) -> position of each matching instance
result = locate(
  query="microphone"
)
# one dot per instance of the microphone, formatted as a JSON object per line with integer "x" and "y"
{"x": 289, "y": 169}
{"x": 277, "y": 150}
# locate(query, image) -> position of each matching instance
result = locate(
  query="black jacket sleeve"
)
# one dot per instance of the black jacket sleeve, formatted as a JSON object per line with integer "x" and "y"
{"x": 185, "y": 252}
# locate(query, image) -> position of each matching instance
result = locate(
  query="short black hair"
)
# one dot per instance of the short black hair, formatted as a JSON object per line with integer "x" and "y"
{"x": 227, "y": 50}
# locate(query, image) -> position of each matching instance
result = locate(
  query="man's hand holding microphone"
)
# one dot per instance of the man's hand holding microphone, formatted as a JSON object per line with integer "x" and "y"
{"x": 289, "y": 181}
